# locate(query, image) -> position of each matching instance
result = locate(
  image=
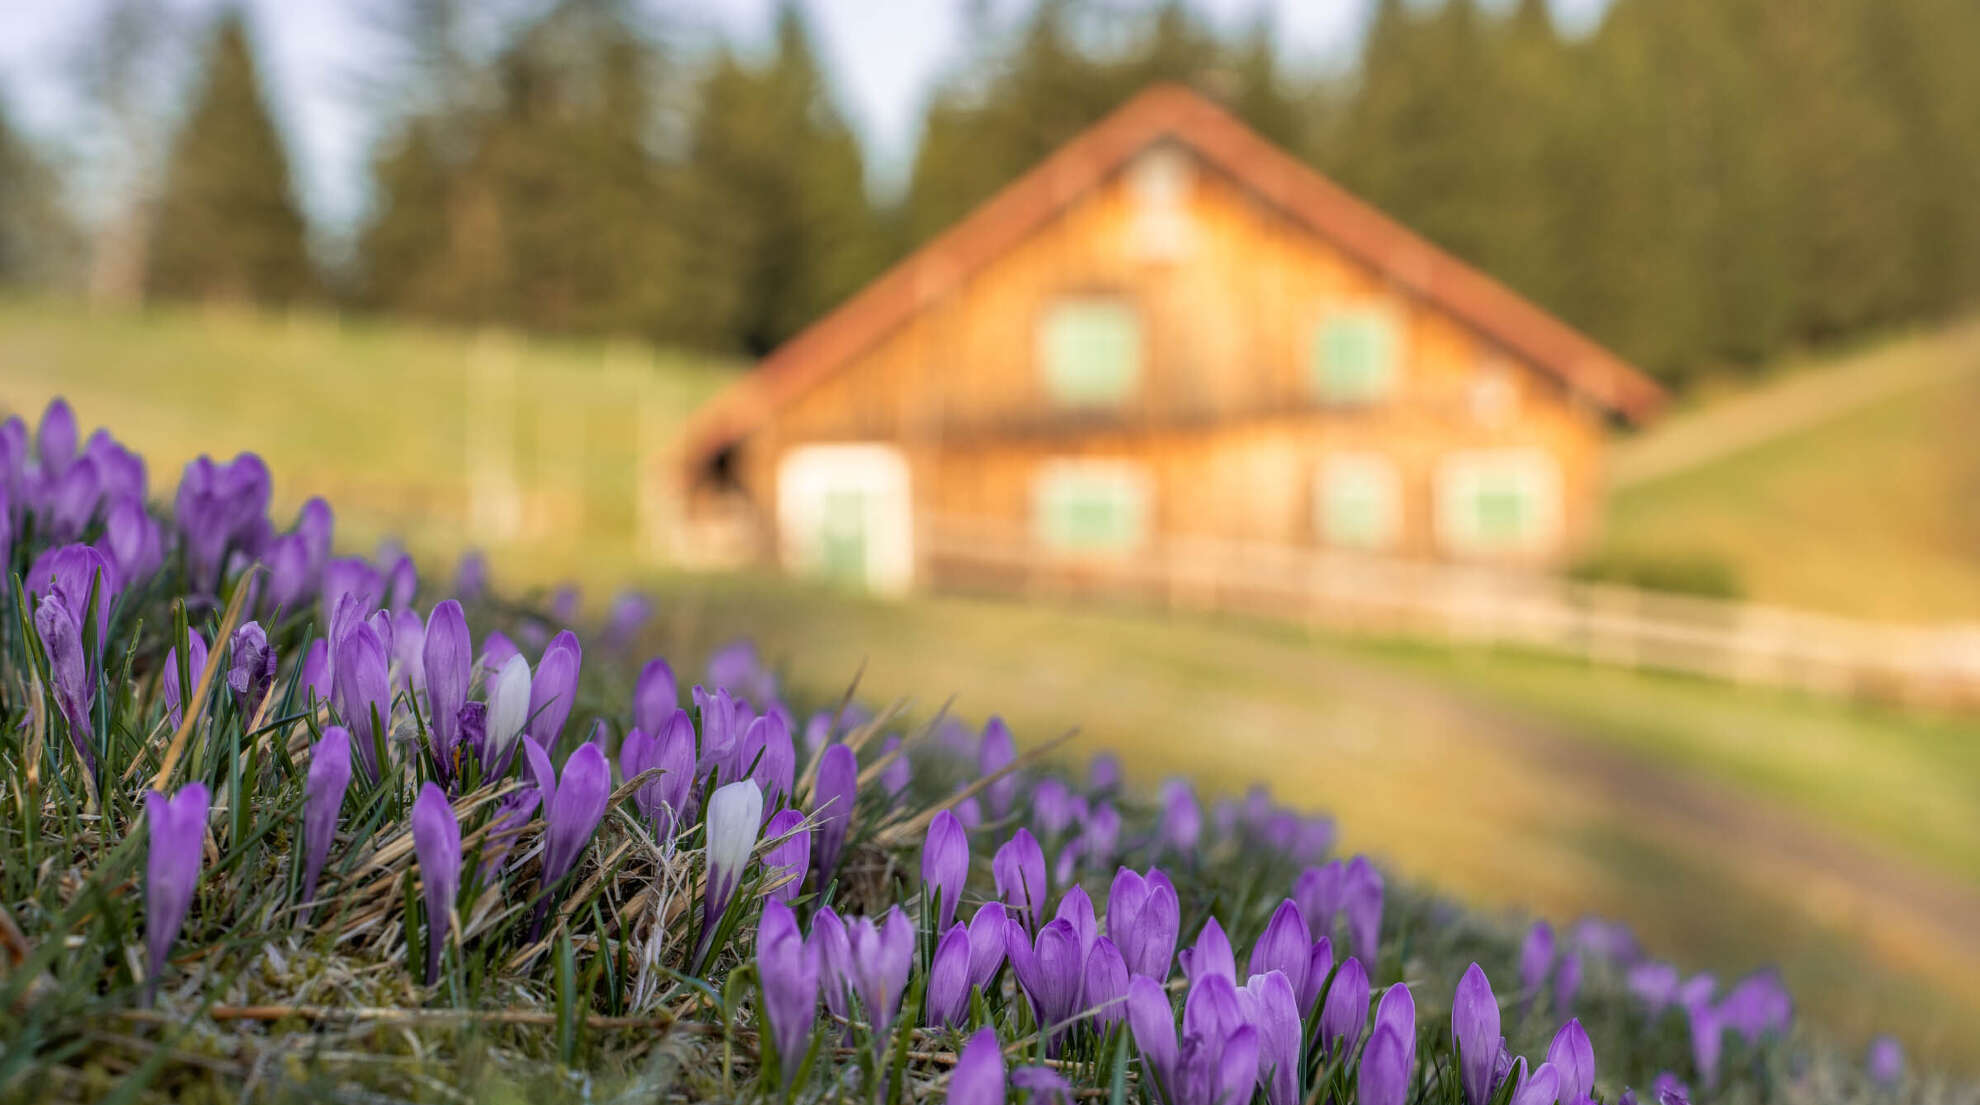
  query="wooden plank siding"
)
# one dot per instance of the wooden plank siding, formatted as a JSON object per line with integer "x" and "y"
{"x": 1223, "y": 419}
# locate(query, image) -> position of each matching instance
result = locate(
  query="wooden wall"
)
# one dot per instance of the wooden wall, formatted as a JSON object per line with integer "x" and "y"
{"x": 1223, "y": 419}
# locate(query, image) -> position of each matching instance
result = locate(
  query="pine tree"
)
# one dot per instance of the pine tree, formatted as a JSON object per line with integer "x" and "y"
{"x": 227, "y": 225}
{"x": 37, "y": 244}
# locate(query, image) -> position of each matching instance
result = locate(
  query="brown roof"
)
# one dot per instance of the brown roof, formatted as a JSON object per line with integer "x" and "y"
{"x": 1172, "y": 112}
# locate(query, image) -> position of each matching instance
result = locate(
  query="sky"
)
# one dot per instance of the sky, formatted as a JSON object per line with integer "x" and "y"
{"x": 884, "y": 58}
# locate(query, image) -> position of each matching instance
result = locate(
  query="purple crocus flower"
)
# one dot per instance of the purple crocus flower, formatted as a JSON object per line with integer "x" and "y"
{"x": 1541, "y": 1087}
{"x": 988, "y": 931}
{"x": 1655, "y": 984}
{"x": 1100, "y": 835}
{"x": 997, "y": 751}
{"x": 447, "y": 661}
{"x": 1708, "y": 1039}
{"x": 290, "y": 583}
{"x": 944, "y": 865}
{"x": 1361, "y": 898}
{"x": 1182, "y": 817}
{"x": 1475, "y": 1027}
{"x": 512, "y": 813}
{"x": 662, "y": 800}
{"x": 1052, "y": 807}
{"x": 735, "y": 813}
{"x": 1105, "y": 985}
{"x": 219, "y": 507}
{"x": 75, "y": 691}
{"x": 572, "y": 806}
{"x": 316, "y": 680}
{"x": 471, "y": 576}
{"x": 1386, "y": 1068}
{"x": 171, "y": 873}
{"x": 437, "y": 845}
{"x": 787, "y": 861}
{"x": 1076, "y": 909}
{"x": 772, "y": 757}
{"x": 553, "y": 691}
{"x": 71, "y": 501}
{"x": 1216, "y": 1060}
{"x": 252, "y": 672}
{"x": 1318, "y": 891}
{"x": 352, "y": 578}
{"x": 1667, "y": 1089}
{"x": 1270, "y": 1007}
{"x": 979, "y": 1075}
{"x": 1572, "y": 1056}
{"x": 1042, "y": 1086}
{"x": 654, "y": 696}
{"x": 401, "y": 581}
{"x": 1103, "y": 773}
{"x": 55, "y": 438}
{"x": 833, "y": 795}
{"x": 363, "y": 692}
{"x": 829, "y": 942}
{"x": 169, "y": 678}
{"x": 1319, "y": 965}
{"x": 1397, "y": 1013}
{"x": 132, "y": 539}
{"x": 735, "y": 667}
{"x": 1345, "y": 1012}
{"x": 1885, "y": 1061}
{"x": 1567, "y": 981}
{"x": 508, "y": 712}
{"x": 630, "y": 612}
{"x": 882, "y": 956}
{"x": 1019, "y": 869}
{"x": 1757, "y": 1005}
{"x": 788, "y": 969}
{"x": 1284, "y": 946}
{"x": 1610, "y": 940}
{"x": 1144, "y": 920}
{"x": 948, "y": 979}
{"x": 1050, "y": 970}
{"x": 1210, "y": 955}
{"x": 409, "y": 650}
{"x": 894, "y": 777}
{"x": 1536, "y": 960}
{"x": 323, "y": 795}
{"x": 78, "y": 574}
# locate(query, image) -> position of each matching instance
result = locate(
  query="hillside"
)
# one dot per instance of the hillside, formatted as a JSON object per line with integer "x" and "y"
{"x": 1845, "y": 485}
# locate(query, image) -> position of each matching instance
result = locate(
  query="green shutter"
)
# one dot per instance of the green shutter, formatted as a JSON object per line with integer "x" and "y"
{"x": 1091, "y": 349}
{"x": 1090, "y": 511}
{"x": 1354, "y": 357}
{"x": 1358, "y": 507}
{"x": 1493, "y": 502}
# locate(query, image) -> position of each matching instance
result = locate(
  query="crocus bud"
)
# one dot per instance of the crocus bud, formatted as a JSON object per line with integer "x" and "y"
{"x": 132, "y": 538}
{"x": 833, "y": 795}
{"x": 1385, "y": 1068}
{"x": 987, "y": 933}
{"x": 572, "y": 807}
{"x": 323, "y": 795}
{"x": 774, "y": 757}
{"x": 997, "y": 751}
{"x": 882, "y": 956}
{"x": 401, "y": 582}
{"x": 1105, "y": 986}
{"x": 1076, "y": 909}
{"x": 979, "y": 1075}
{"x": 1345, "y": 1012}
{"x": 55, "y": 438}
{"x": 252, "y": 671}
{"x": 1361, "y": 893}
{"x": 75, "y": 691}
{"x": 1052, "y": 807}
{"x": 1567, "y": 982}
{"x": 788, "y": 969}
{"x": 553, "y": 691}
{"x": 437, "y": 846}
{"x": 788, "y": 861}
{"x": 1572, "y": 1056}
{"x": 169, "y": 678}
{"x": 828, "y": 940}
{"x": 1318, "y": 892}
{"x": 948, "y": 979}
{"x": 654, "y": 696}
{"x": 178, "y": 827}
{"x": 1100, "y": 837}
{"x": 944, "y": 865}
{"x": 894, "y": 777}
{"x": 316, "y": 679}
{"x": 1153, "y": 1022}
{"x": 1144, "y": 920}
{"x": 471, "y": 576}
{"x": 1051, "y": 971}
{"x": 1103, "y": 773}
{"x": 1655, "y": 984}
{"x": 508, "y": 709}
{"x": 1019, "y": 868}
{"x": 1182, "y": 817}
{"x": 363, "y": 693}
{"x": 1319, "y": 964}
{"x": 735, "y": 812}
{"x": 1536, "y": 959}
{"x": 290, "y": 582}
{"x": 1271, "y": 1008}
{"x": 447, "y": 659}
{"x": 1211, "y": 955}
{"x": 1284, "y": 946}
{"x": 1708, "y": 1039}
{"x": 1475, "y": 1027}
{"x": 662, "y": 800}
{"x": 1539, "y": 1088}
{"x": 1885, "y": 1061}
{"x": 1397, "y": 1012}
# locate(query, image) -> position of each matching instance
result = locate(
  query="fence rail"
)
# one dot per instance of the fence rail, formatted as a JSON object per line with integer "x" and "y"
{"x": 1736, "y": 641}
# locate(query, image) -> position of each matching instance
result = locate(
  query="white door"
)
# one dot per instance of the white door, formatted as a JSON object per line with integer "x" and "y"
{"x": 844, "y": 512}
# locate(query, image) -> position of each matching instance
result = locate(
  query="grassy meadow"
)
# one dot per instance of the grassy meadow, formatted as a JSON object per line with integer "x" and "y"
{"x": 1732, "y": 827}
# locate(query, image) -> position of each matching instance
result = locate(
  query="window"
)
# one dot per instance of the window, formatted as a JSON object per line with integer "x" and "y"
{"x": 1091, "y": 506}
{"x": 1499, "y": 501}
{"x": 1091, "y": 351}
{"x": 1355, "y": 354}
{"x": 1359, "y": 502}
{"x": 1159, "y": 182}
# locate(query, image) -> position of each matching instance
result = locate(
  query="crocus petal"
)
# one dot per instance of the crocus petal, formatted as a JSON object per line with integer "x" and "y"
{"x": 978, "y": 1078}
{"x": 833, "y": 795}
{"x": 787, "y": 861}
{"x": 1540, "y": 1087}
{"x": 178, "y": 829}
{"x": 988, "y": 931}
{"x": 1572, "y": 1056}
{"x": 789, "y": 969}
{"x": 572, "y": 813}
{"x": 553, "y": 690}
{"x": 1285, "y": 946}
{"x": 1153, "y": 1021}
{"x": 654, "y": 695}
{"x": 948, "y": 979}
{"x": 1475, "y": 1027}
{"x": 945, "y": 864}
{"x": 447, "y": 659}
{"x": 1385, "y": 1068}
{"x": 1019, "y": 870}
{"x": 323, "y": 795}
{"x": 437, "y": 845}
{"x": 1104, "y": 990}
{"x": 1211, "y": 955}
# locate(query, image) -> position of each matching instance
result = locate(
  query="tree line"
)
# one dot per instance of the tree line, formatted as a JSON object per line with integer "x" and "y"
{"x": 1700, "y": 184}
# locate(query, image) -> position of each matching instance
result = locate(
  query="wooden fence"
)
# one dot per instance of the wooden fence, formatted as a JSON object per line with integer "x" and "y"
{"x": 1736, "y": 641}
